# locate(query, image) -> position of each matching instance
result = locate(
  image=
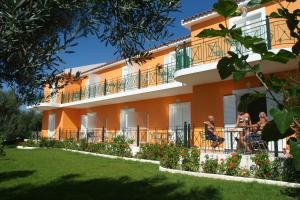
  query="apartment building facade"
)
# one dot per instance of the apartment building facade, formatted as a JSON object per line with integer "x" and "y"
{"x": 179, "y": 87}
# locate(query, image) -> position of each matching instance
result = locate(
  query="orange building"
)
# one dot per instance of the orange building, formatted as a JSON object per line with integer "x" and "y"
{"x": 179, "y": 87}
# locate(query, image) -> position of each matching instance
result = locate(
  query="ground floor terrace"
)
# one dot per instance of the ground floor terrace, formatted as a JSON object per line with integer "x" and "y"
{"x": 177, "y": 119}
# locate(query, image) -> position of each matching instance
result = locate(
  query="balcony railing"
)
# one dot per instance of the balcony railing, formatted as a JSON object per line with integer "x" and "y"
{"x": 161, "y": 74}
{"x": 203, "y": 51}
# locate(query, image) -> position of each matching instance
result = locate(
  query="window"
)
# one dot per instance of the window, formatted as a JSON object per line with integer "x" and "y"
{"x": 127, "y": 118}
{"x": 51, "y": 125}
{"x": 178, "y": 114}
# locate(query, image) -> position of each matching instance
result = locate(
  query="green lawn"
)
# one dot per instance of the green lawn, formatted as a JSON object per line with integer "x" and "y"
{"x": 56, "y": 174}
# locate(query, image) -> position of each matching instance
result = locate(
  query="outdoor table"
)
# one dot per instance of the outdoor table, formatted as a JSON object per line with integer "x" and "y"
{"x": 234, "y": 132}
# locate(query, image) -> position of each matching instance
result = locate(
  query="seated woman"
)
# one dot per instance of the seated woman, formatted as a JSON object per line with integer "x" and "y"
{"x": 257, "y": 128}
{"x": 243, "y": 121}
{"x": 210, "y": 132}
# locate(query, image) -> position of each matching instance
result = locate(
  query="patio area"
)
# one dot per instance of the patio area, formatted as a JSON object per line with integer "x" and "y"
{"x": 186, "y": 135}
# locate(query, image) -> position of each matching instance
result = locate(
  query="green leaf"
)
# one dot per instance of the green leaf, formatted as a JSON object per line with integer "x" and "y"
{"x": 255, "y": 3}
{"x": 271, "y": 132}
{"x": 226, "y": 8}
{"x": 206, "y": 33}
{"x": 239, "y": 75}
{"x": 296, "y": 48}
{"x": 284, "y": 118}
{"x": 283, "y": 56}
{"x": 275, "y": 15}
{"x": 225, "y": 67}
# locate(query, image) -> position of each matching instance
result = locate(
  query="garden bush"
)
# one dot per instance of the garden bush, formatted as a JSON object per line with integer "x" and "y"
{"x": 171, "y": 156}
{"x": 190, "y": 159}
{"x": 45, "y": 142}
{"x": 232, "y": 164}
{"x": 262, "y": 165}
{"x": 120, "y": 146}
{"x": 222, "y": 166}
{"x": 102, "y": 148}
{"x": 151, "y": 151}
{"x": 30, "y": 143}
{"x": 83, "y": 145}
{"x": 210, "y": 165}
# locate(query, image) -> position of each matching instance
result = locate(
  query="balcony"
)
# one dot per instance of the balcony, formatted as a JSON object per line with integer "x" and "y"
{"x": 199, "y": 63}
{"x": 144, "y": 84}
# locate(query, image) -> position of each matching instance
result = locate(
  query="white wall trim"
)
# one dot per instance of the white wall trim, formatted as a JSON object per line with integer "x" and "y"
{"x": 230, "y": 178}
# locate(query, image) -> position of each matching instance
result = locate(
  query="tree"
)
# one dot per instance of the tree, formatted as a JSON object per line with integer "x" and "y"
{"x": 16, "y": 123}
{"x": 287, "y": 114}
{"x": 34, "y": 32}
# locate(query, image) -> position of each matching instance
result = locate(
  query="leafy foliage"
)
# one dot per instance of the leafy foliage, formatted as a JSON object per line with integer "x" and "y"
{"x": 233, "y": 164}
{"x": 171, "y": 157}
{"x": 14, "y": 122}
{"x": 151, "y": 151}
{"x": 190, "y": 159}
{"x": 33, "y": 35}
{"x": 120, "y": 146}
{"x": 210, "y": 165}
{"x": 263, "y": 165}
{"x": 2, "y": 152}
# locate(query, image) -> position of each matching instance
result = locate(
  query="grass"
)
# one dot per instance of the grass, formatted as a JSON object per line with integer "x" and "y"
{"x": 56, "y": 174}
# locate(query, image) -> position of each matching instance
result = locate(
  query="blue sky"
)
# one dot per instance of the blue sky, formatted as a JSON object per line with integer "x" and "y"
{"x": 91, "y": 51}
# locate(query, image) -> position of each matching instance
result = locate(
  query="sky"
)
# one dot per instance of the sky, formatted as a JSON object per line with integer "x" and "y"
{"x": 91, "y": 51}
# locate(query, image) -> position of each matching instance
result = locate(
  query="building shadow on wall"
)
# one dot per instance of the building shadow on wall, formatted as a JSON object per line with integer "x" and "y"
{"x": 72, "y": 188}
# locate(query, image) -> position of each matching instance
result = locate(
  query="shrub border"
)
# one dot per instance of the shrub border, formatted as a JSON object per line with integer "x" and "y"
{"x": 230, "y": 178}
{"x": 176, "y": 171}
{"x": 113, "y": 157}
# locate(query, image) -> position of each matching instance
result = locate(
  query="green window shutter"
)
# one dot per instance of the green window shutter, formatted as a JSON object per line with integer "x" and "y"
{"x": 179, "y": 64}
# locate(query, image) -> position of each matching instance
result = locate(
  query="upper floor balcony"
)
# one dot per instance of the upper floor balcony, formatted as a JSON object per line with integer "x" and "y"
{"x": 155, "y": 82}
{"x": 199, "y": 62}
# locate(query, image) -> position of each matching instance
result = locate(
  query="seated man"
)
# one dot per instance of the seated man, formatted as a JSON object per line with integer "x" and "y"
{"x": 210, "y": 132}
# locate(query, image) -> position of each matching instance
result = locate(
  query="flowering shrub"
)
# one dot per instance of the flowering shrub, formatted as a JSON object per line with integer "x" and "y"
{"x": 151, "y": 151}
{"x": 171, "y": 156}
{"x": 222, "y": 166}
{"x": 103, "y": 148}
{"x": 30, "y": 143}
{"x": 244, "y": 172}
{"x": 70, "y": 144}
{"x": 263, "y": 166}
{"x": 120, "y": 146}
{"x": 210, "y": 165}
{"x": 232, "y": 164}
{"x": 44, "y": 142}
{"x": 2, "y": 152}
{"x": 190, "y": 159}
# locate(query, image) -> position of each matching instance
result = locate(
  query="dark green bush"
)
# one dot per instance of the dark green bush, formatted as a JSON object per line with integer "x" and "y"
{"x": 120, "y": 146}
{"x": 45, "y": 142}
{"x": 190, "y": 159}
{"x": 103, "y": 148}
{"x": 210, "y": 165}
{"x": 171, "y": 156}
{"x": 151, "y": 151}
